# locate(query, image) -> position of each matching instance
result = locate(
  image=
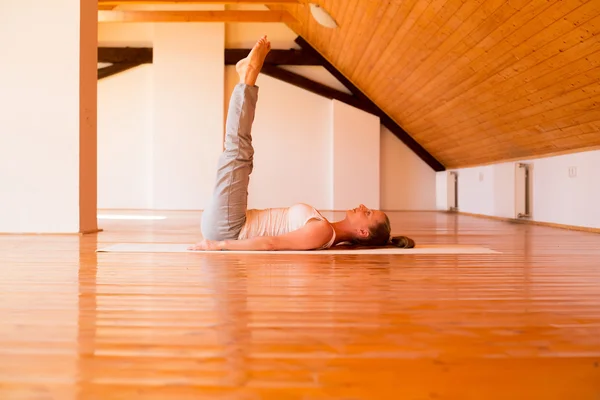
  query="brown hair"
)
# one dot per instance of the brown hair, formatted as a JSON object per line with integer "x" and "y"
{"x": 379, "y": 235}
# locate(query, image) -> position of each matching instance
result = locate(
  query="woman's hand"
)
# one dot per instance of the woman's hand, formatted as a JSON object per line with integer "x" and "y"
{"x": 205, "y": 245}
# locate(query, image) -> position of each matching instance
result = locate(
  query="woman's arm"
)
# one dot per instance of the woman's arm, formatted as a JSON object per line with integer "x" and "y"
{"x": 312, "y": 236}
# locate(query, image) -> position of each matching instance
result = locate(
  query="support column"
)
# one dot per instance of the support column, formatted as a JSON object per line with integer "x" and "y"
{"x": 48, "y": 88}
{"x": 355, "y": 154}
{"x": 188, "y": 113}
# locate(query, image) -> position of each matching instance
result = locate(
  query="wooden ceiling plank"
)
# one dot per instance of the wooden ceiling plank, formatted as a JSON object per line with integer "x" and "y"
{"x": 431, "y": 38}
{"x": 354, "y": 49}
{"x": 573, "y": 142}
{"x": 579, "y": 85}
{"x": 501, "y": 90}
{"x": 323, "y": 35}
{"x": 389, "y": 64}
{"x": 343, "y": 46}
{"x": 512, "y": 153}
{"x": 459, "y": 26}
{"x": 585, "y": 106}
{"x": 581, "y": 99}
{"x": 380, "y": 71}
{"x": 556, "y": 84}
{"x": 465, "y": 20}
{"x": 534, "y": 133}
{"x": 426, "y": 25}
{"x": 522, "y": 42}
{"x": 535, "y": 91}
{"x": 433, "y": 35}
{"x": 533, "y": 140}
{"x": 335, "y": 8}
{"x": 479, "y": 19}
{"x": 194, "y": 16}
{"x": 379, "y": 39}
{"x": 448, "y": 50}
{"x": 334, "y": 44}
{"x": 585, "y": 135}
{"x": 561, "y": 44}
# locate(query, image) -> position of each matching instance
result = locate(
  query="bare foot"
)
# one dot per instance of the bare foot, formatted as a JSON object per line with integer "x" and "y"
{"x": 249, "y": 68}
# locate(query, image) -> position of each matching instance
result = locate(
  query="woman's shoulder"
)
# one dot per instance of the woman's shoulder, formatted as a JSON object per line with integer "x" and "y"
{"x": 303, "y": 213}
{"x": 307, "y": 209}
{"x": 301, "y": 206}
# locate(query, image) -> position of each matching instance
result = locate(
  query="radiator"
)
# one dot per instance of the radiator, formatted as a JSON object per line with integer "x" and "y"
{"x": 522, "y": 191}
{"x": 453, "y": 191}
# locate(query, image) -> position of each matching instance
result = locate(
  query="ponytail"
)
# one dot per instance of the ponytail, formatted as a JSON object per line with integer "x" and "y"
{"x": 403, "y": 242}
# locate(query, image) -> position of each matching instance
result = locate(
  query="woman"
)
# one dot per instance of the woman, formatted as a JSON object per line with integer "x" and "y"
{"x": 228, "y": 225}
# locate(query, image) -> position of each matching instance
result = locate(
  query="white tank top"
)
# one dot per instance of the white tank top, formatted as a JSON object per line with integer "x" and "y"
{"x": 279, "y": 221}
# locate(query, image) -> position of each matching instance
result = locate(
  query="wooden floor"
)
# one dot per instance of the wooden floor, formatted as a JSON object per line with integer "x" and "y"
{"x": 524, "y": 324}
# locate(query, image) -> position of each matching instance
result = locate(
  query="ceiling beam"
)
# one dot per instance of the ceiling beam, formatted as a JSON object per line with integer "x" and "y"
{"x": 179, "y": 2}
{"x": 115, "y": 55}
{"x": 115, "y": 69}
{"x": 275, "y": 57}
{"x": 311, "y": 86}
{"x": 195, "y": 16}
{"x": 385, "y": 119}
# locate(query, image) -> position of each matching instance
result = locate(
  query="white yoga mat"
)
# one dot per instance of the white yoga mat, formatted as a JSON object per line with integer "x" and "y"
{"x": 182, "y": 248}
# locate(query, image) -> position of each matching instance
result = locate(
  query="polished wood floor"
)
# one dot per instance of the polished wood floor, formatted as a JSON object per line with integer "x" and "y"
{"x": 523, "y": 324}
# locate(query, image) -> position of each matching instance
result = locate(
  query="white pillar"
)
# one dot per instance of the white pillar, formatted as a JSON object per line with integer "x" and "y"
{"x": 188, "y": 113}
{"x": 355, "y": 156}
{"x": 48, "y": 81}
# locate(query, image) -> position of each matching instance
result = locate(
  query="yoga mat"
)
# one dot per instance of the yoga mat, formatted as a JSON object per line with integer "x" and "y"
{"x": 182, "y": 248}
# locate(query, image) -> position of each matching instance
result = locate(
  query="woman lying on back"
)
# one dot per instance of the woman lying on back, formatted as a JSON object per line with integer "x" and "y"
{"x": 228, "y": 225}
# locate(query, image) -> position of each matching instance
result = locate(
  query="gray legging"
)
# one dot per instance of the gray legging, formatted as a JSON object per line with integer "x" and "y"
{"x": 226, "y": 214}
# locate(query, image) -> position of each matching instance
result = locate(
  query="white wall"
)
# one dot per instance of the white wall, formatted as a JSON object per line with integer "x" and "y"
{"x": 44, "y": 118}
{"x": 126, "y": 124}
{"x": 556, "y": 197}
{"x": 407, "y": 182}
{"x": 561, "y": 199}
{"x": 129, "y": 34}
{"x": 293, "y": 133}
{"x": 476, "y": 190}
{"x": 355, "y": 158}
{"x": 442, "y": 194}
{"x": 125, "y": 141}
{"x": 291, "y": 137}
{"x": 504, "y": 190}
{"x": 161, "y": 124}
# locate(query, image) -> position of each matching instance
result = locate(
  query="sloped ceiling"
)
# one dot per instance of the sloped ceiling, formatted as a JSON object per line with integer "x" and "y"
{"x": 473, "y": 81}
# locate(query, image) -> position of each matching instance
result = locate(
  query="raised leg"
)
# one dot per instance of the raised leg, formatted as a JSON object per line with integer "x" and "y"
{"x": 226, "y": 214}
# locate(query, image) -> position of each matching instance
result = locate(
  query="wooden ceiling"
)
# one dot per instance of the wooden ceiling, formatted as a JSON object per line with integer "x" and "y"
{"x": 474, "y": 81}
